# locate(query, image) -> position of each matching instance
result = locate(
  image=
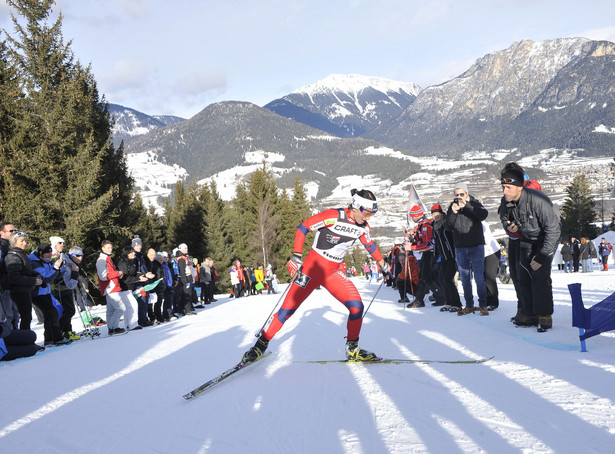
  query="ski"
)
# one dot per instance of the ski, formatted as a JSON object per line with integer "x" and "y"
{"x": 227, "y": 373}
{"x": 400, "y": 361}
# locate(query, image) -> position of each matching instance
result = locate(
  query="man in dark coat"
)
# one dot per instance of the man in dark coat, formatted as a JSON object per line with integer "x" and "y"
{"x": 530, "y": 213}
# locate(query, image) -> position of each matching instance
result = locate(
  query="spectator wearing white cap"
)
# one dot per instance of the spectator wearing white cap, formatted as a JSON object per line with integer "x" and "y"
{"x": 64, "y": 290}
{"x": 57, "y": 246}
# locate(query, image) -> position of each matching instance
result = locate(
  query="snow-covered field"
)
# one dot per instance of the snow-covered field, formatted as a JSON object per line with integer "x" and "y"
{"x": 124, "y": 394}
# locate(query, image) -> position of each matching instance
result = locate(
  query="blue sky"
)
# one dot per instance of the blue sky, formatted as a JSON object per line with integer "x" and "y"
{"x": 163, "y": 57}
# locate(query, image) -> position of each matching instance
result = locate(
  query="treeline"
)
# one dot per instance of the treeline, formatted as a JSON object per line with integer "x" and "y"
{"x": 62, "y": 175}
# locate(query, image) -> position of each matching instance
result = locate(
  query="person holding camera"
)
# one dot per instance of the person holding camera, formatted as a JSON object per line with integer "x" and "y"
{"x": 64, "y": 289}
{"x": 464, "y": 218}
{"x": 49, "y": 270}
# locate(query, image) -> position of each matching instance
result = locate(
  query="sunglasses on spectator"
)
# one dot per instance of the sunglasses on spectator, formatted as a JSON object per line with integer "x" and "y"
{"x": 507, "y": 180}
{"x": 460, "y": 194}
{"x": 10, "y": 231}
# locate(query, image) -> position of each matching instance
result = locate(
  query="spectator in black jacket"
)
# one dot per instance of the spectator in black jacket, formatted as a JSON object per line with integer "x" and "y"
{"x": 132, "y": 280}
{"x": 444, "y": 255}
{"x": 6, "y": 303}
{"x": 464, "y": 218}
{"x": 566, "y": 252}
{"x": 143, "y": 297}
{"x": 153, "y": 261}
{"x": 185, "y": 280}
{"x": 530, "y": 213}
{"x": 575, "y": 246}
{"x": 21, "y": 277}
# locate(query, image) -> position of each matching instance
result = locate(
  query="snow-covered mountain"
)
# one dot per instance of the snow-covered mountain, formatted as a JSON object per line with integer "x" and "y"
{"x": 130, "y": 123}
{"x": 551, "y": 103}
{"x": 531, "y": 96}
{"x": 347, "y": 105}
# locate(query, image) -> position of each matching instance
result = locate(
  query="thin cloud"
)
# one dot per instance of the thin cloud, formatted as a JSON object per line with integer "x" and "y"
{"x": 599, "y": 34}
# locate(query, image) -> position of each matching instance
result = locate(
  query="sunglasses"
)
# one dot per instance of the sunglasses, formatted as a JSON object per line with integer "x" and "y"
{"x": 508, "y": 180}
{"x": 367, "y": 213}
{"x": 10, "y": 231}
{"x": 460, "y": 195}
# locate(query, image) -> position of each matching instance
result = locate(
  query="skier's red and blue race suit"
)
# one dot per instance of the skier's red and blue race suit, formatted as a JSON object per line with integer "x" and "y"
{"x": 336, "y": 233}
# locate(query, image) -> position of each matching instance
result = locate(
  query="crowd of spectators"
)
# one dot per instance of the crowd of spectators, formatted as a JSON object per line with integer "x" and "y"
{"x": 458, "y": 242}
{"x": 248, "y": 280}
{"x": 140, "y": 289}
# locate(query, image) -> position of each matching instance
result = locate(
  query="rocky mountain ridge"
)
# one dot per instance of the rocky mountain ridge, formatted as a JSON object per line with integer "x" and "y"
{"x": 531, "y": 96}
{"x": 532, "y": 99}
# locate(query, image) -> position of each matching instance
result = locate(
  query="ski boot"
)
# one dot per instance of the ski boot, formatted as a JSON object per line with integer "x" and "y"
{"x": 355, "y": 353}
{"x": 255, "y": 352}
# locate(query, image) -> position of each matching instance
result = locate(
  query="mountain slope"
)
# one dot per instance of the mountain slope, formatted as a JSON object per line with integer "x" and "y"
{"x": 531, "y": 95}
{"x": 350, "y": 104}
{"x": 130, "y": 123}
{"x": 220, "y": 136}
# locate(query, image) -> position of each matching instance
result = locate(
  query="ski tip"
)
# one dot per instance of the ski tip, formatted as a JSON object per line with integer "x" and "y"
{"x": 188, "y": 396}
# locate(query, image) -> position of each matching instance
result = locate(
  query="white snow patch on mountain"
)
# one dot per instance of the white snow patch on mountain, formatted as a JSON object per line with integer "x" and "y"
{"x": 260, "y": 156}
{"x": 354, "y": 83}
{"x": 153, "y": 178}
{"x": 606, "y": 129}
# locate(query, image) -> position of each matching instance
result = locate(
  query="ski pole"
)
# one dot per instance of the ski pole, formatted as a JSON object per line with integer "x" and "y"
{"x": 277, "y": 304}
{"x": 373, "y": 298}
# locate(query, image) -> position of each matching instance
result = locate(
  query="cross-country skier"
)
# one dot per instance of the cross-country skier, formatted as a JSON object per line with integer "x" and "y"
{"x": 337, "y": 230}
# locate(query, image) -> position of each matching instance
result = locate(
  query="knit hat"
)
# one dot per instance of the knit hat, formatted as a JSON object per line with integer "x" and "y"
{"x": 462, "y": 185}
{"x": 55, "y": 240}
{"x": 43, "y": 248}
{"x": 437, "y": 208}
{"x": 416, "y": 211}
{"x": 512, "y": 176}
{"x": 136, "y": 240}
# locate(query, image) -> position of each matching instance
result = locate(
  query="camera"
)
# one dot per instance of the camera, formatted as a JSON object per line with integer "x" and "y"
{"x": 456, "y": 201}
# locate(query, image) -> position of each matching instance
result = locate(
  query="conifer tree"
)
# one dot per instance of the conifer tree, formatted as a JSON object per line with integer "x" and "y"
{"x": 215, "y": 224}
{"x": 578, "y": 210}
{"x": 255, "y": 205}
{"x": 145, "y": 223}
{"x": 292, "y": 212}
{"x": 64, "y": 178}
{"x": 10, "y": 95}
{"x": 185, "y": 220}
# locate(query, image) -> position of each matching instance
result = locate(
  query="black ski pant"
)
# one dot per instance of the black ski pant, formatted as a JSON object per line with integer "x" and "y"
{"x": 67, "y": 301}
{"x": 492, "y": 263}
{"x": 446, "y": 279}
{"x": 23, "y": 301}
{"x": 513, "y": 266}
{"x": 167, "y": 305}
{"x": 19, "y": 344}
{"x": 50, "y": 317}
{"x": 535, "y": 285}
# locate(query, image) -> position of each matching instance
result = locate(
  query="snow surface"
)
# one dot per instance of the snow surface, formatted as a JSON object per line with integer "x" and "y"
{"x": 539, "y": 393}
